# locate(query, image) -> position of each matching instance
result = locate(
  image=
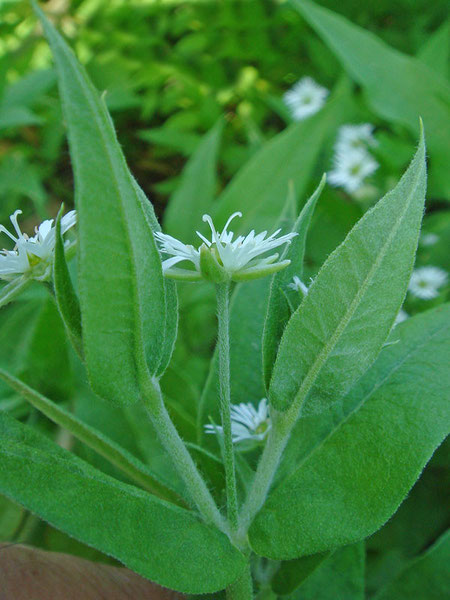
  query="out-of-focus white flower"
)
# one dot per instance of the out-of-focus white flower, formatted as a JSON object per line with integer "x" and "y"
{"x": 305, "y": 98}
{"x": 298, "y": 286}
{"x": 426, "y": 281}
{"x": 429, "y": 239}
{"x": 32, "y": 256}
{"x": 350, "y": 169}
{"x": 401, "y": 316}
{"x": 351, "y": 137}
{"x": 247, "y": 422}
{"x": 222, "y": 258}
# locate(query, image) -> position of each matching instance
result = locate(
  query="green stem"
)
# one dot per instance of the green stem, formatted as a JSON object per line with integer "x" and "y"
{"x": 120, "y": 458}
{"x": 242, "y": 588}
{"x": 282, "y": 425}
{"x": 174, "y": 445}
{"x": 223, "y": 315}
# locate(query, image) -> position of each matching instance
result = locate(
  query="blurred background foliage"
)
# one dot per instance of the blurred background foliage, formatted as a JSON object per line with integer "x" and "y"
{"x": 173, "y": 72}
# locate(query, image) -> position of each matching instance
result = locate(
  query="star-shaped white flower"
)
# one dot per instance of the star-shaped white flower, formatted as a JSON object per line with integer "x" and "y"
{"x": 31, "y": 256}
{"x": 426, "y": 281}
{"x": 223, "y": 258}
{"x": 247, "y": 422}
{"x": 428, "y": 239}
{"x": 350, "y": 169}
{"x": 305, "y": 98}
{"x": 351, "y": 137}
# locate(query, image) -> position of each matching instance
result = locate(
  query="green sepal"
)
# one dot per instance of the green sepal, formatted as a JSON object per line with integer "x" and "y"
{"x": 210, "y": 268}
{"x": 258, "y": 272}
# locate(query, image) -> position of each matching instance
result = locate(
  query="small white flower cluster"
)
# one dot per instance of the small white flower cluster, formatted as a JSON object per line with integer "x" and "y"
{"x": 223, "y": 257}
{"x": 247, "y": 422}
{"x": 352, "y": 161}
{"x": 426, "y": 281}
{"x": 32, "y": 256}
{"x": 305, "y": 98}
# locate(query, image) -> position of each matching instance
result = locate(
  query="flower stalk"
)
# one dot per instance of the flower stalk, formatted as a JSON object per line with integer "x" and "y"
{"x": 223, "y": 313}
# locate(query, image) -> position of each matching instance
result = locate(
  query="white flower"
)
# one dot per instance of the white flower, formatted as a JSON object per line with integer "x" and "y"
{"x": 31, "y": 255}
{"x": 401, "y": 316}
{"x": 223, "y": 258}
{"x": 429, "y": 239}
{"x": 305, "y": 98}
{"x": 350, "y": 169}
{"x": 247, "y": 422}
{"x": 351, "y": 137}
{"x": 426, "y": 281}
{"x": 298, "y": 286}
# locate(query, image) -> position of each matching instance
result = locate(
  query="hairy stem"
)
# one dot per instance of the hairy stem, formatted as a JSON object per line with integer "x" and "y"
{"x": 223, "y": 315}
{"x": 182, "y": 460}
{"x": 242, "y": 588}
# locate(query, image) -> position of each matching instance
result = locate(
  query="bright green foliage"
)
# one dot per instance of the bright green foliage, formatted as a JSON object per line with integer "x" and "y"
{"x": 66, "y": 298}
{"x": 427, "y": 576}
{"x": 195, "y": 194}
{"x": 354, "y": 479}
{"x": 118, "y": 519}
{"x": 121, "y": 306}
{"x": 435, "y": 53}
{"x": 292, "y": 573}
{"x": 340, "y": 327}
{"x": 289, "y": 157}
{"x": 282, "y": 300}
{"x": 399, "y": 88}
{"x": 339, "y": 577}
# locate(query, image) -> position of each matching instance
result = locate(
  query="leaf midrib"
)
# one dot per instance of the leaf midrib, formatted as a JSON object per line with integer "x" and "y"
{"x": 323, "y": 355}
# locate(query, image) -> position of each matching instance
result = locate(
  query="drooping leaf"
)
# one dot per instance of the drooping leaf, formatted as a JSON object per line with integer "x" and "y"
{"x": 147, "y": 534}
{"x": 195, "y": 194}
{"x": 341, "y": 325}
{"x": 402, "y": 92}
{"x": 124, "y": 309}
{"x": 355, "y": 477}
{"x": 282, "y": 300}
{"x": 435, "y": 53}
{"x": 427, "y": 576}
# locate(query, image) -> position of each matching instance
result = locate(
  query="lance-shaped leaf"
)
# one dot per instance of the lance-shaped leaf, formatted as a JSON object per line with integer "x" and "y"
{"x": 122, "y": 290}
{"x": 282, "y": 299}
{"x": 66, "y": 298}
{"x": 350, "y": 483}
{"x": 145, "y": 533}
{"x": 341, "y": 325}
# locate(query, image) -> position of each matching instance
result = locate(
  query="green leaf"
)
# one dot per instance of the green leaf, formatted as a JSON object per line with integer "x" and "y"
{"x": 341, "y": 325}
{"x": 46, "y": 364}
{"x": 398, "y": 87}
{"x": 436, "y": 51}
{"x": 282, "y": 300}
{"x": 355, "y": 477}
{"x": 259, "y": 188}
{"x": 148, "y": 535}
{"x": 122, "y": 290}
{"x": 339, "y": 577}
{"x": 195, "y": 193}
{"x": 11, "y": 290}
{"x": 292, "y": 573}
{"x": 66, "y": 298}
{"x": 86, "y": 434}
{"x": 427, "y": 576}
